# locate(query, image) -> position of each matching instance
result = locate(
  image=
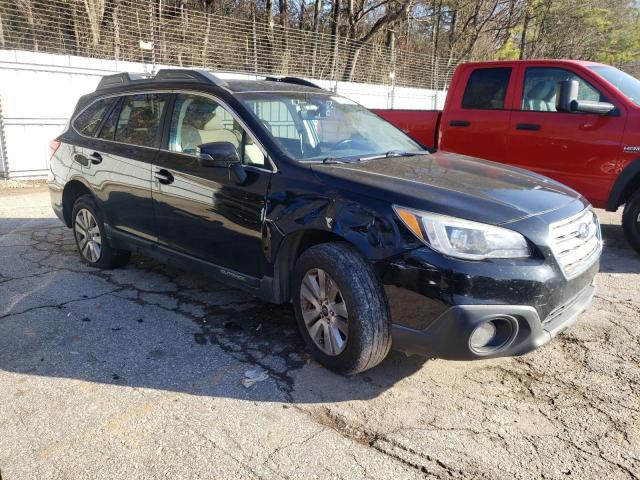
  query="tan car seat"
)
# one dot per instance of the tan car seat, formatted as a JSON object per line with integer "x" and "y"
{"x": 537, "y": 98}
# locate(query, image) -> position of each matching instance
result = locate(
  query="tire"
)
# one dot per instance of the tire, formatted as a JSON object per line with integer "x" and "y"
{"x": 631, "y": 221}
{"x": 96, "y": 250}
{"x": 365, "y": 340}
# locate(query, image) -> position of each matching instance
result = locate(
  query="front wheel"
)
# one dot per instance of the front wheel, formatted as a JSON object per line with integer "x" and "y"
{"x": 631, "y": 221}
{"x": 341, "y": 308}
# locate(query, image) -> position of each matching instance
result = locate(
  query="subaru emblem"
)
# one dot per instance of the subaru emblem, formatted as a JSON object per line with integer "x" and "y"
{"x": 583, "y": 231}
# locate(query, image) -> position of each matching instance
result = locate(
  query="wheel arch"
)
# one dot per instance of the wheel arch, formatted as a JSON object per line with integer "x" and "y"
{"x": 72, "y": 191}
{"x": 291, "y": 247}
{"x": 627, "y": 182}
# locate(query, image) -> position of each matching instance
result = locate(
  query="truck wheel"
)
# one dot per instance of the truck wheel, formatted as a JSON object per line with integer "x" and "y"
{"x": 631, "y": 221}
{"x": 91, "y": 240}
{"x": 341, "y": 308}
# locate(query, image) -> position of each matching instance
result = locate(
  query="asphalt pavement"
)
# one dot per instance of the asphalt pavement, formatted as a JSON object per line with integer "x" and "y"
{"x": 153, "y": 372}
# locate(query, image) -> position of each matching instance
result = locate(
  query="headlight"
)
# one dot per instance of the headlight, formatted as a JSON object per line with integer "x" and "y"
{"x": 462, "y": 238}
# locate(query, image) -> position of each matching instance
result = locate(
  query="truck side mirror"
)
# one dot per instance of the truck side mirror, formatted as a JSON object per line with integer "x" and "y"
{"x": 567, "y": 100}
{"x": 567, "y": 94}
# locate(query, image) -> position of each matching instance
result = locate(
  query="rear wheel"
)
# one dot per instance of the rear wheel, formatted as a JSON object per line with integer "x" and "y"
{"x": 631, "y": 221}
{"x": 341, "y": 308}
{"x": 91, "y": 240}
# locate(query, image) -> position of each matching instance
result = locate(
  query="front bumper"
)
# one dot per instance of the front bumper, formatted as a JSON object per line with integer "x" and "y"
{"x": 448, "y": 335}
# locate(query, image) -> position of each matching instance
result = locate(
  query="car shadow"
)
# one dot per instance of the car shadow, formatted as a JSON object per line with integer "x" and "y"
{"x": 617, "y": 255}
{"x": 153, "y": 326}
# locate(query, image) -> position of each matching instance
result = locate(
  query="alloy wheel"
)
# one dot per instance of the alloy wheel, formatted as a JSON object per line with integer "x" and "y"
{"x": 88, "y": 235}
{"x": 324, "y": 312}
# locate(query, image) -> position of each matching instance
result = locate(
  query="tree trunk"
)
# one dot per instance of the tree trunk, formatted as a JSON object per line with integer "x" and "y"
{"x": 316, "y": 25}
{"x": 303, "y": 9}
{"x": 284, "y": 12}
{"x": 335, "y": 30}
{"x": 523, "y": 39}
{"x": 95, "y": 11}
{"x": 207, "y": 33}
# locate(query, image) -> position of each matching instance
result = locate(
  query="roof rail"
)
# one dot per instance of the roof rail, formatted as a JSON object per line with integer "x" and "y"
{"x": 166, "y": 74}
{"x": 189, "y": 75}
{"x": 118, "y": 79}
{"x": 294, "y": 80}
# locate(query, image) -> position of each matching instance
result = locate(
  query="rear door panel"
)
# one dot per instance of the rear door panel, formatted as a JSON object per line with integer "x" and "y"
{"x": 473, "y": 129}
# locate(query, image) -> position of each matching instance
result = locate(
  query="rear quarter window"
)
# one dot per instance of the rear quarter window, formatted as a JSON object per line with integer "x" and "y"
{"x": 88, "y": 122}
{"x": 486, "y": 89}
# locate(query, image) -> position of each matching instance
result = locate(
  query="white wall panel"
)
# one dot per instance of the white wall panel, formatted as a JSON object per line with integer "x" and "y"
{"x": 39, "y": 92}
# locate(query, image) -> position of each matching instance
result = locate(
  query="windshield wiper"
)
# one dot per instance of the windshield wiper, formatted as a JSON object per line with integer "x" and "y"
{"x": 337, "y": 160}
{"x": 394, "y": 153}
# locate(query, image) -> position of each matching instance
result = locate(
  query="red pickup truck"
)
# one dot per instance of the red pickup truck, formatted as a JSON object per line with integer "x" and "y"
{"x": 576, "y": 122}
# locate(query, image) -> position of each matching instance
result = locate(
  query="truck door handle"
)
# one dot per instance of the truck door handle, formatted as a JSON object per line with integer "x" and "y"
{"x": 164, "y": 176}
{"x": 96, "y": 158}
{"x": 528, "y": 126}
{"x": 459, "y": 123}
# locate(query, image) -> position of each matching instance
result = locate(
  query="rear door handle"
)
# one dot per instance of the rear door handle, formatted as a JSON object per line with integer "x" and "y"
{"x": 164, "y": 176}
{"x": 528, "y": 126}
{"x": 81, "y": 159}
{"x": 459, "y": 123}
{"x": 96, "y": 158}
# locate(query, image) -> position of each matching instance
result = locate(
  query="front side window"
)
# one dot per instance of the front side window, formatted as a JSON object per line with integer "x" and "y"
{"x": 540, "y": 90}
{"x": 139, "y": 120}
{"x": 197, "y": 120}
{"x": 316, "y": 126}
{"x": 88, "y": 122}
{"x": 628, "y": 85}
{"x": 486, "y": 89}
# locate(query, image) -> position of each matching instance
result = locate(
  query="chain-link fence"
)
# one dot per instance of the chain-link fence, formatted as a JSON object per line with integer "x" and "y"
{"x": 150, "y": 32}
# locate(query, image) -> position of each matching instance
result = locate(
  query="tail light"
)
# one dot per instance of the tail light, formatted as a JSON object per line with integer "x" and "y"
{"x": 53, "y": 146}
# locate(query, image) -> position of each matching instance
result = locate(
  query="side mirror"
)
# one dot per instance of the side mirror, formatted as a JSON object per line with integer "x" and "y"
{"x": 237, "y": 173}
{"x": 587, "y": 106}
{"x": 568, "y": 100}
{"x": 567, "y": 94}
{"x": 217, "y": 154}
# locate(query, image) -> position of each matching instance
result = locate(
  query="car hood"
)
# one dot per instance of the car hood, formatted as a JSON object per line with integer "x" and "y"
{"x": 451, "y": 184}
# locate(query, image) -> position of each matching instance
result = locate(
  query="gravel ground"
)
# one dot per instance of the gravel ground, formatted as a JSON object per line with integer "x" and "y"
{"x": 137, "y": 373}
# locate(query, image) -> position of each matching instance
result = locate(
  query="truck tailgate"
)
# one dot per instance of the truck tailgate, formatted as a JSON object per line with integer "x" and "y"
{"x": 421, "y": 125}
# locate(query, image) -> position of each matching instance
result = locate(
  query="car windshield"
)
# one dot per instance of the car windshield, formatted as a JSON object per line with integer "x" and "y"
{"x": 322, "y": 126}
{"x": 628, "y": 85}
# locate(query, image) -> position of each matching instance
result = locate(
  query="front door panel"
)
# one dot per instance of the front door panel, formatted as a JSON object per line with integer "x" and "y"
{"x": 580, "y": 150}
{"x": 203, "y": 213}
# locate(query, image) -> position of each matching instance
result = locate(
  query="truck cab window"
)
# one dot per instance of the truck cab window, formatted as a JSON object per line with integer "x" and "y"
{"x": 486, "y": 89}
{"x": 540, "y": 88}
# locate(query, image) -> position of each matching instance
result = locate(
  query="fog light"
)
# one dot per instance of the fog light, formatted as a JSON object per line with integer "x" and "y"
{"x": 482, "y": 335}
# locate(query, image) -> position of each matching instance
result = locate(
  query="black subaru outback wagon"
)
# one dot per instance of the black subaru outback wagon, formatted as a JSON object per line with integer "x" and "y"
{"x": 297, "y": 194}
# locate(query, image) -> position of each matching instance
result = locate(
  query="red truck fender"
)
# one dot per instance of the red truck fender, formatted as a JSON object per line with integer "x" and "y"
{"x": 628, "y": 181}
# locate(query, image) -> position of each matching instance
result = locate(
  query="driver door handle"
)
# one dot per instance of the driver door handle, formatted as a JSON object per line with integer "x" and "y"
{"x": 164, "y": 176}
{"x": 95, "y": 158}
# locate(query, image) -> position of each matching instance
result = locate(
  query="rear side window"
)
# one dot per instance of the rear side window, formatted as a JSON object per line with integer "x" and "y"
{"x": 108, "y": 130}
{"x": 88, "y": 122}
{"x": 139, "y": 120}
{"x": 487, "y": 89}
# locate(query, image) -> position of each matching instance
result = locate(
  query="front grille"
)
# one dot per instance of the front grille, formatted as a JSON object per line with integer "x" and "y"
{"x": 576, "y": 242}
